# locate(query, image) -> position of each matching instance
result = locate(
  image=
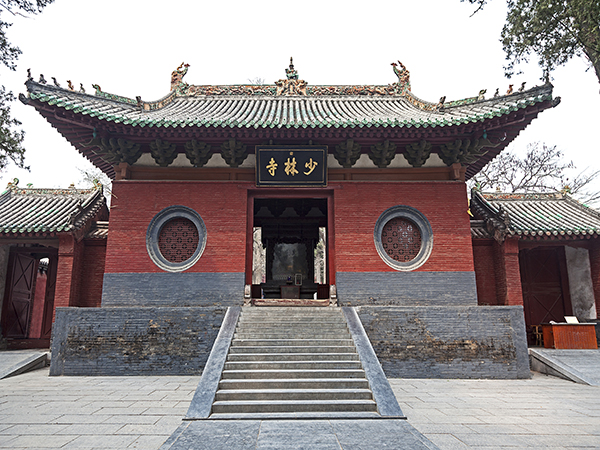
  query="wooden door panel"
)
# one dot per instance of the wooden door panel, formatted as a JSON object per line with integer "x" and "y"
{"x": 20, "y": 291}
{"x": 544, "y": 285}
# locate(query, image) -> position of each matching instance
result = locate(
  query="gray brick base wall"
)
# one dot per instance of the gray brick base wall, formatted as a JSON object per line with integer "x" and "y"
{"x": 406, "y": 288}
{"x": 133, "y": 341}
{"x": 448, "y": 342}
{"x": 173, "y": 289}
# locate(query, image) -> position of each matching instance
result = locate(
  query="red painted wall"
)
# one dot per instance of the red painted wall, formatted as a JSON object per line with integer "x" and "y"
{"x": 37, "y": 310}
{"x": 222, "y": 206}
{"x": 68, "y": 272}
{"x": 92, "y": 269}
{"x": 485, "y": 275}
{"x": 358, "y": 206}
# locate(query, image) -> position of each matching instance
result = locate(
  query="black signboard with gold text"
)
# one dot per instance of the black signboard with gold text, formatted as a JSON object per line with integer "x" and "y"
{"x": 291, "y": 166}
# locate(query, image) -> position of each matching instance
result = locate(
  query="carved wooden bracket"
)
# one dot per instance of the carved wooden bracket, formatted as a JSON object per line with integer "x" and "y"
{"x": 233, "y": 152}
{"x": 383, "y": 153}
{"x": 198, "y": 152}
{"x": 116, "y": 151}
{"x": 347, "y": 153}
{"x": 163, "y": 152}
{"x": 417, "y": 153}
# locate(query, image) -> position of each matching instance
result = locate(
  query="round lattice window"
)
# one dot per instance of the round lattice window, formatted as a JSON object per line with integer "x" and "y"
{"x": 403, "y": 238}
{"x": 176, "y": 238}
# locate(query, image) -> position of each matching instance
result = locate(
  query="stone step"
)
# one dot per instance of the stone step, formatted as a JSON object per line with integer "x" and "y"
{"x": 292, "y": 406}
{"x": 299, "y": 373}
{"x": 314, "y": 356}
{"x": 293, "y": 394}
{"x": 314, "y": 415}
{"x": 291, "y": 365}
{"x": 290, "y": 310}
{"x": 309, "y": 328}
{"x": 308, "y": 321}
{"x": 239, "y": 349}
{"x": 290, "y": 334}
{"x": 298, "y": 383}
{"x": 292, "y": 342}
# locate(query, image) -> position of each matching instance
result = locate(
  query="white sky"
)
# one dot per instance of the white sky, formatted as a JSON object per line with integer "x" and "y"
{"x": 130, "y": 48}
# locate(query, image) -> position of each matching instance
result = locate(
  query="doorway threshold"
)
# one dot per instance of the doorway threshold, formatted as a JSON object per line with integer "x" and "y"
{"x": 289, "y": 302}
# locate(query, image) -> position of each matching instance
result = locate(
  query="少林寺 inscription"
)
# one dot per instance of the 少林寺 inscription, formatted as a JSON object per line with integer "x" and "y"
{"x": 291, "y": 166}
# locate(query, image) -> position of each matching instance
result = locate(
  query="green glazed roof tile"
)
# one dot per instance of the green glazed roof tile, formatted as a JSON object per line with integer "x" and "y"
{"x": 268, "y": 111}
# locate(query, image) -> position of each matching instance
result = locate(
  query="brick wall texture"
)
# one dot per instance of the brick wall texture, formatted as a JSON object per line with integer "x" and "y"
{"x": 448, "y": 342}
{"x": 133, "y": 341}
{"x": 483, "y": 257}
{"x": 406, "y": 288}
{"x": 223, "y": 207}
{"x": 94, "y": 257}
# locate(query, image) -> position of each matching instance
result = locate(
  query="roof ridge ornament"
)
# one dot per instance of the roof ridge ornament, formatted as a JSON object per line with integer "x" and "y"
{"x": 177, "y": 75}
{"x": 403, "y": 84}
{"x": 292, "y": 85}
{"x": 291, "y": 73}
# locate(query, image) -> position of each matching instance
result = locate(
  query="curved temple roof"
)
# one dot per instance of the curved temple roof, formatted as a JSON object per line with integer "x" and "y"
{"x": 45, "y": 212}
{"x": 535, "y": 216}
{"x": 254, "y": 113}
{"x": 260, "y": 111}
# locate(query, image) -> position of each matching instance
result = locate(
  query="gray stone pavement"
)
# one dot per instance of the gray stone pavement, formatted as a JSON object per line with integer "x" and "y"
{"x": 41, "y": 412}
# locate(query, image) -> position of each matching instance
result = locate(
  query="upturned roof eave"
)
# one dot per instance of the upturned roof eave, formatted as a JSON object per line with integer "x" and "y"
{"x": 524, "y": 224}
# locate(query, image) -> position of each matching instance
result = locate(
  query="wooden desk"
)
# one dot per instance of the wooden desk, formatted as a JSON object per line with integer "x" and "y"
{"x": 569, "y": 335}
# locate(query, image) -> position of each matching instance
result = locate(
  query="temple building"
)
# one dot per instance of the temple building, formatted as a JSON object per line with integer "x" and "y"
{"x": 52, "y": 249}
{"x": 294, "y": 194}
{"x": 548, "y": 245}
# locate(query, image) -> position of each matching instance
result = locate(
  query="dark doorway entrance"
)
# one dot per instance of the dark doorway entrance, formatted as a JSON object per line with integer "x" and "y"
{"x": 28, "y": 303}
{"x": 545, "y": 286}
{"x": 290, "y": 248}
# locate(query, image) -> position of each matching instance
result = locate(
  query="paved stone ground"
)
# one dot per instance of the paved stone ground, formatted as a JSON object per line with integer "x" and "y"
{"x": 585, "y": 363}
{"x": 41, "y": 412}
{"x": 544, "y": 412}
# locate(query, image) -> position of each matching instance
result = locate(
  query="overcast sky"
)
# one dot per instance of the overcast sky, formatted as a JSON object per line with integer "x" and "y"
{"x": 131, "y": 47}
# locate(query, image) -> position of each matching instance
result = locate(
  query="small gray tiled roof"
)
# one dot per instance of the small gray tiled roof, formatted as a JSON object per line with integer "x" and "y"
{"x": 550, "y": 215}
{"x": 479, "y": 230}
{"x": 29, "y": 211}
{"x": 99, "y": 231}
{"x": 270, "y": 111}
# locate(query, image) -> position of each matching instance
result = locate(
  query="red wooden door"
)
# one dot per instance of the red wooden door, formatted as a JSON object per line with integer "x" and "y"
{"x": 19, "y": 295}
{"x": 545, "y": 285}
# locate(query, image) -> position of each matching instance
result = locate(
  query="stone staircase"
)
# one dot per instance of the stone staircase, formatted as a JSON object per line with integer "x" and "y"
{"x": 293, "y": 362}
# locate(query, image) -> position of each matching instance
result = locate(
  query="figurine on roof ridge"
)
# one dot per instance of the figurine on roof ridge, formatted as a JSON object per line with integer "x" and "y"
{"x": 403, "y": 78}
{"x": 178, "y": 74}
{"x": 291, "y": 73}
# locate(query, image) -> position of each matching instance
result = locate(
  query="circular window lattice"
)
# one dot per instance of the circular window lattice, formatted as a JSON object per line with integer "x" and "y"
{"x": 401, "y": 239}
{"x": 178, "y": 240}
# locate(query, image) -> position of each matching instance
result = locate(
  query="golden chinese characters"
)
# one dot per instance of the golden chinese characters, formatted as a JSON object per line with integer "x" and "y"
{"x": 272, "y": 167}
{"x": 290, "y": 167}
{"x": 310, "y": 165}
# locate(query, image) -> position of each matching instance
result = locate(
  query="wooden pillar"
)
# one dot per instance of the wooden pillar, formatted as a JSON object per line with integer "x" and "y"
{"x": 68, "y": 272}
{"x": 508, "y": 276}
{"x": 595, "y": 271}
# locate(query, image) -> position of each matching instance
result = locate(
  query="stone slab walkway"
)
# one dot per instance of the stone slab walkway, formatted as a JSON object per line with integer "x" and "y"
{"x": 582, "y": 366}
{"x": 110, "y": 413}
{"x": 298, "y": 435}
{"x": 14, "y": 362}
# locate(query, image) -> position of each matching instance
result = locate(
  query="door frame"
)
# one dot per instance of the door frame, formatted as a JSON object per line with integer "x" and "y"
{"x": 279, "y": 193}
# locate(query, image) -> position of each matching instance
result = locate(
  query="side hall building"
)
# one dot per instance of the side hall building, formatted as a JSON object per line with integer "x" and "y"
{"x": 291, "y": 194}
